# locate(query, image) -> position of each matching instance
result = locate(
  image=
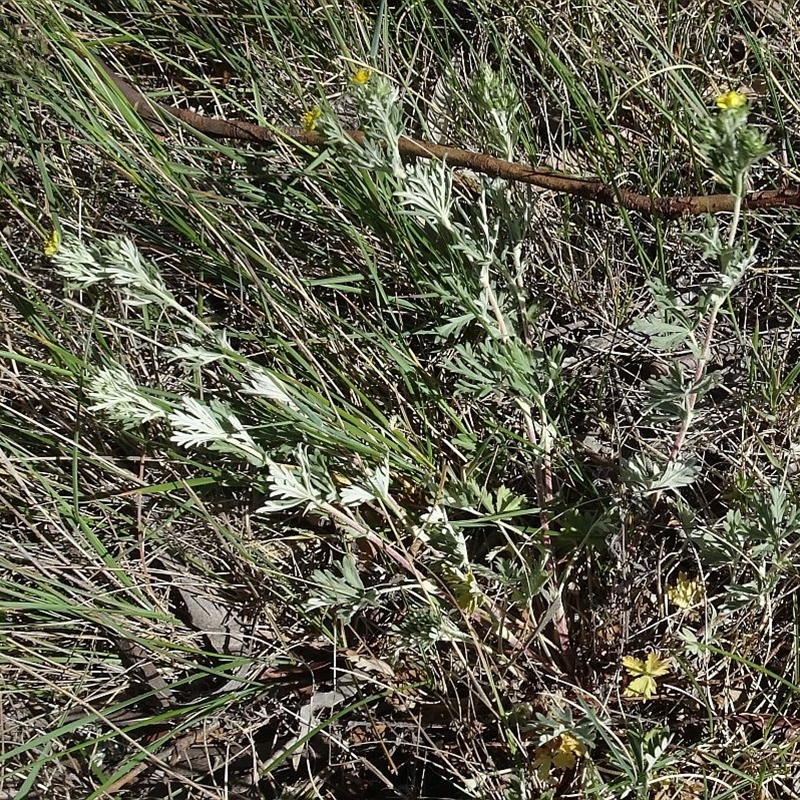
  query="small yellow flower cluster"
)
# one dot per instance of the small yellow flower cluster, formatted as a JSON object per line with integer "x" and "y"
{"x": 559, "y": 753}
{"x": 686, "y": 593}
{"x": 730, "y": 100}
{"x": 467, "y": 593}
{"x": 645, "y": 673}
{"x": 52, "y": 244}
{"x": 361, "y": 76}
{"x": 310, "y": 118}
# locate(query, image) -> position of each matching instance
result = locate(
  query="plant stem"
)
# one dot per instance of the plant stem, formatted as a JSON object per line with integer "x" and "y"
{"x": 705, "y": 352}
{"x": 544, "y": 489}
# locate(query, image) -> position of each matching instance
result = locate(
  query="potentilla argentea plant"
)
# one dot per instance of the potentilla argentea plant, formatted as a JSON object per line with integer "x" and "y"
{"x": 731, "y": 146}
{"x": 376, "y": 100}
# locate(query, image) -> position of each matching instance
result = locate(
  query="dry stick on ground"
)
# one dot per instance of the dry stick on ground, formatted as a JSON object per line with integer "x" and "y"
{"x": 478, "y": 162}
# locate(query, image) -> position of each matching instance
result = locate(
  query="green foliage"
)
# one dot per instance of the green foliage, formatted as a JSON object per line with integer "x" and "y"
{"x": 495, "y": 99}
{"x": 755, "y": 544}
{"x": 346, "y": 594}
{"x": 343, "y": 415}
{"x": 731, "y": 145}
{"x": 649, "y": 477}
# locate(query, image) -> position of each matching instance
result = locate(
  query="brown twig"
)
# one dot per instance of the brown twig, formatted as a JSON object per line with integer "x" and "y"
{"x": 478, "y": 162}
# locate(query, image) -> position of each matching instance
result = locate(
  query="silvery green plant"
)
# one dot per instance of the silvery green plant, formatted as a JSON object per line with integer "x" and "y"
{"x": 300, "y": 471}
{"x": 300, "y": 478}
{"x": 731, "y": 146}
{"x": 729, "y": 142}
{"x": 379, "y": 118}
{"x": 118, "y": 263}
{"x": 501, "y": 362}
{"x": 635, "y": 762}
{"x": 197, "y": 423}
{"x": 757, "y": 548}
{"x": 496, "y": 100}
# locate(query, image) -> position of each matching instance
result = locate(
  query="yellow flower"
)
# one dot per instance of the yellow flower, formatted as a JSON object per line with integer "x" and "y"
{"x": 730, "y": 100}
{"x": 52, "y": 244}
{"x": 361, "y": 77}
{"x": 310, "y": 118}
{"x": 644, "y": 684}
{"x": 466, "y": 591}
{"x": 560, "y": 753}
{"x": 686, "y": 592}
